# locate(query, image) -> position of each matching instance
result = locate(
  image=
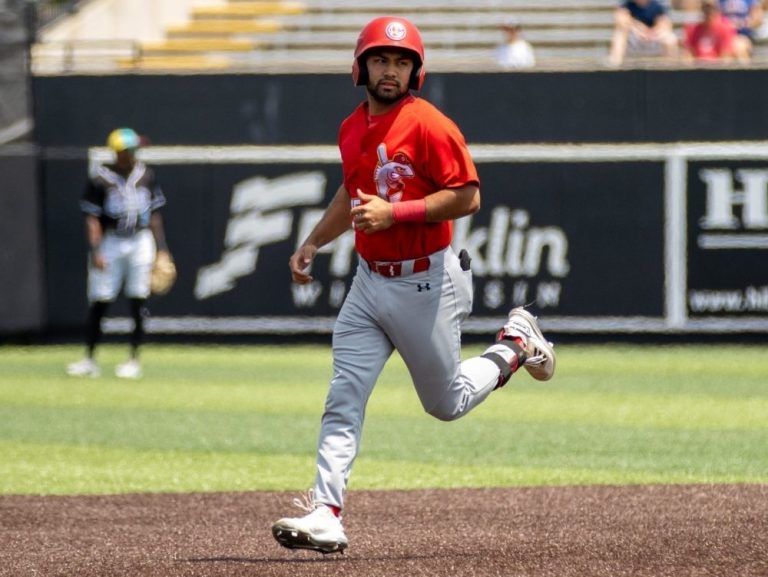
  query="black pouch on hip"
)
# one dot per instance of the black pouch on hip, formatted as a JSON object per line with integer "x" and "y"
{"x": 464, "y": 259}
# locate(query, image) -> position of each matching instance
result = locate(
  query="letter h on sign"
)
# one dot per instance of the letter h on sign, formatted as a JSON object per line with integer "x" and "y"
{"x": 722, "y": 197}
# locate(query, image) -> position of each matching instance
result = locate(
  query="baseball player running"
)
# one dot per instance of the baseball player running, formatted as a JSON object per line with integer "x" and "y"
{"x": 407, "y": 174}
{"x": 124, "y": 230}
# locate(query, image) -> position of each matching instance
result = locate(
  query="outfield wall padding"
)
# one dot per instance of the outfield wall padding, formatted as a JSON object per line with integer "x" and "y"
{"x": 22, "y": 302}
{"x": 616, "y": 202}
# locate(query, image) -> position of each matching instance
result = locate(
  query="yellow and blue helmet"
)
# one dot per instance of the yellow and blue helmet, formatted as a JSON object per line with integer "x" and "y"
{"x": 123, "y": 139}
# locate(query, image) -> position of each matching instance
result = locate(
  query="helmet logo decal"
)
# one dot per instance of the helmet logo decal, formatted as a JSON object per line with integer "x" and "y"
{"x": 395, "y": 31}
{"x": 390, "y": 174}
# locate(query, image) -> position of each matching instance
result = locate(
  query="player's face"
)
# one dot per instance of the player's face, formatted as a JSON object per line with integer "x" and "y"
{"x": 125, "y": 159}
{"x": 389, "y": 73}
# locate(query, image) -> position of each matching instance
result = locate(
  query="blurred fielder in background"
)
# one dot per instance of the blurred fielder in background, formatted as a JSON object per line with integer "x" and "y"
{"x": 124, "y": 231}
{"x": 407, "y": 175}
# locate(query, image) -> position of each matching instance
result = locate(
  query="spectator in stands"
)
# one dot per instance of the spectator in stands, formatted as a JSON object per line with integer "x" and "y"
{"x": 515, "y": 51}
{"x": 747, "y": 17}
{"x": 712, "y": 39}
{"x": 645, "y": 26}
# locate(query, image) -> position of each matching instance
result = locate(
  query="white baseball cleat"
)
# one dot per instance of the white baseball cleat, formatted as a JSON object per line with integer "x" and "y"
{"x": 540, "y": 361}
{"x": 84, "y": 368}
{"x": 130, "y": 369}
{"x": 319, "y": 530}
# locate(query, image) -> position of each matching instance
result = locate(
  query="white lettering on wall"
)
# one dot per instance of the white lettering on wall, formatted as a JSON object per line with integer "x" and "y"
{"x": 259, "y": 215}
{"x": 511, "y": 247}
{"x": 744, "y": 231}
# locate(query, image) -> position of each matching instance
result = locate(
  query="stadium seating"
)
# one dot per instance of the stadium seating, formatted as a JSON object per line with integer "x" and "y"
{"x": 460, "y": 35}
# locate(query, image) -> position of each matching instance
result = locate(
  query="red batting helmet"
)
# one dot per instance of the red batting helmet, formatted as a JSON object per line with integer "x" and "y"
{"x": 389, "y": 32}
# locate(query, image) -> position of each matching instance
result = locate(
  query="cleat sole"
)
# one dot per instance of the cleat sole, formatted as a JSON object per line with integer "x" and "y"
{"x": 292, "y": 539}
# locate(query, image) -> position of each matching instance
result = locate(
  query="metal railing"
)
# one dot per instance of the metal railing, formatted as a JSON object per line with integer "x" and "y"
{"x": 47, "y": 11}
{"x": 82, "y": 55}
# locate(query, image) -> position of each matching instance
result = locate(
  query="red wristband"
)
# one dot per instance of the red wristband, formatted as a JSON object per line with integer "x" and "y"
{"x": 410, "y": 211}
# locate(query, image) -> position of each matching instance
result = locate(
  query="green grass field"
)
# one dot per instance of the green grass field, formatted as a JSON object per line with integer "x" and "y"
{"x": 234, "y": 418}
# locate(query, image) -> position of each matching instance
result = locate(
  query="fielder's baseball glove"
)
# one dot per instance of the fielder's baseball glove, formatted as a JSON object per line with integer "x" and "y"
{"x": 163, "y": 273}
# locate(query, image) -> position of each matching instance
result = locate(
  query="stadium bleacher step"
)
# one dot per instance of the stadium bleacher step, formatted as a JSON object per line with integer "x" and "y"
{"x": 223, "y": 28}
{"x": 248, "y": 9}
{"x": 181, "y": 45}
{"x": 182, "y": 63}
{"x": 299, "y": 33}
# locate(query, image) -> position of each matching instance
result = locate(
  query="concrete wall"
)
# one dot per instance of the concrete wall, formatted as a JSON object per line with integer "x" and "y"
{"x": 139, "y": 20}
{"x": 617, "y": 202}
{"x": 22, "y": 299}
{"x": 15, "y": 116}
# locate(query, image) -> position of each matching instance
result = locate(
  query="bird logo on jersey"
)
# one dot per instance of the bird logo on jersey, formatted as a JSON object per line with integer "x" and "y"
{"x": 389, "y": 175}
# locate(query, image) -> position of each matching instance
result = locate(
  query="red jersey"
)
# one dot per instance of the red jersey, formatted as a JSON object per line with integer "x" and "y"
{"x": 404, "y": 154}
{"x": 710, "y": 42}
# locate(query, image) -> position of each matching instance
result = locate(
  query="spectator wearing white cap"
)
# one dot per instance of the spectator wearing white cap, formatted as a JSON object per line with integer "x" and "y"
{"x": 515, "y": 51}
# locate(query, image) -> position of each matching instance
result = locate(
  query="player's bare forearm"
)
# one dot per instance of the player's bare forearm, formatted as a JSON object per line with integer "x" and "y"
{"x": 333, "y": 223}
{"x": 156, "y": 226}
{"x": 453, "y": 203}
{"x": 95, "y": 234}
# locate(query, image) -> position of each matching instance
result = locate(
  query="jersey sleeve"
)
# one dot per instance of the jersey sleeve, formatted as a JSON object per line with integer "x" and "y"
{"x": 92, "y": 200}
{"x": 157, "y": 200}
{"x": 448, "y": 157}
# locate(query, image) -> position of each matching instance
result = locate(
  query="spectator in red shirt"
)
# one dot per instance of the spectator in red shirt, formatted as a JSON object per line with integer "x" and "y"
{"x": 712, "y": 39}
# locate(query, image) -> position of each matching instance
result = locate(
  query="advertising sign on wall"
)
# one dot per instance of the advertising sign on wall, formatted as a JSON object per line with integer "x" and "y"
{"x": 727, "y": 240}
{"x": 595, "y": 238}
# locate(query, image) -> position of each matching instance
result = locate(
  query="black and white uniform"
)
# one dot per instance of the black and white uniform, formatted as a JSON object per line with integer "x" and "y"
{"x": 123, "y": 206}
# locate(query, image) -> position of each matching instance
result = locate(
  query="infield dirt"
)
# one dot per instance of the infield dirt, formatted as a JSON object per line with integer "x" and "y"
{"x": 638, "y": 531}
